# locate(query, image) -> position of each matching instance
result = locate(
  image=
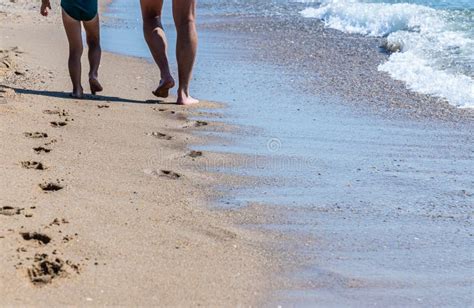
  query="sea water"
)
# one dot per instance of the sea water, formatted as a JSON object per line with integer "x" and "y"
{"x": 432, "y": 42}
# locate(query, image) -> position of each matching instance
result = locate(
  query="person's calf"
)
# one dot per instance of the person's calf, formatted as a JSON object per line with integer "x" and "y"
{"x": 95, "y": 53}
{"x": 74, "y": 64}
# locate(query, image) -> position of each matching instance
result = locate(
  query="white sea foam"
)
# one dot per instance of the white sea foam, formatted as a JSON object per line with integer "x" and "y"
{"x": 436, "y": 48}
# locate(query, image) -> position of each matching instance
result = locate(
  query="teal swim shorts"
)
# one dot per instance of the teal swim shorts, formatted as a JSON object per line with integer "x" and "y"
{"x": 82, "y": 10}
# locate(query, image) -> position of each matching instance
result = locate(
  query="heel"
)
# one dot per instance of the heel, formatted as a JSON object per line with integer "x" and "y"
{"x": 95, "y": 86}
{"x": 163, "y": 90}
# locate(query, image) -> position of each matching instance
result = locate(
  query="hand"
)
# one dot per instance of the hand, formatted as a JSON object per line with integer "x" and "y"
{"x": 45, "y": 5}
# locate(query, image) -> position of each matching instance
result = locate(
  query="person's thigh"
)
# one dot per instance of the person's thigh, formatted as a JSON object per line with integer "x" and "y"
{"x": 73, "y": 31}
{"x": 92, "y": 28}
{"x": 151, "y": 8}
{"x": 184, "y": 11}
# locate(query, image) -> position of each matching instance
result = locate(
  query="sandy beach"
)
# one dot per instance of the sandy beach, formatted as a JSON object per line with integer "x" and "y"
{"x": 102, "y": 202}
{"x": 309, "y": 178}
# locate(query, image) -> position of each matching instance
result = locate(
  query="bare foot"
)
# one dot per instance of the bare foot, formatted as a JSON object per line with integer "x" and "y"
{"x": 186, "y": 100}
{"x": 164, "y": 88}
{"x": 77, "y": 93}
{"x": 95, "y": 86}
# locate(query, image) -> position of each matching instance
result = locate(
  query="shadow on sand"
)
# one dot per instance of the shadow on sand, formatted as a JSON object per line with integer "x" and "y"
{"x": 67, "y": 95}
{"x": 161, "y": 102}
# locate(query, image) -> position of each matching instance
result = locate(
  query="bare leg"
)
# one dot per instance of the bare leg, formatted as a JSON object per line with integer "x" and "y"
{"x": 184, "y": 14}
{"x": 156, "y": 40}
{"x": 73, "y": 33}
{"x": 92, "y": 28}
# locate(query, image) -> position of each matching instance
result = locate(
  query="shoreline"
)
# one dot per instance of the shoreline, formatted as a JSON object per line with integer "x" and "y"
{"x": 130, "y": 223}
{"x": 361, "y": 180}
{"x": 377, "y": 185}
{"x": 344, "y": 186}
{"x": 341, "y": 65}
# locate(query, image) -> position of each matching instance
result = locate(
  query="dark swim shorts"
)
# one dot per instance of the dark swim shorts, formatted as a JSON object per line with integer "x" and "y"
{"x": 83, "y": 10}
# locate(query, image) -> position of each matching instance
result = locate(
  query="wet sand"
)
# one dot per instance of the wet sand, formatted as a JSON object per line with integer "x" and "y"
{"x": 102, "y": 202}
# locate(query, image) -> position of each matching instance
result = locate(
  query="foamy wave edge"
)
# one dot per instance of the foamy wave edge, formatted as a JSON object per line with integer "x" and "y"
{"x": 405, "y": 26}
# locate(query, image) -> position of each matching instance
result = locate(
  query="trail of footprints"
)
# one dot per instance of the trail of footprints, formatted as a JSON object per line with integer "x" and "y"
{"x": 46, "y": 264}
{"x": 188, "y": 124}
{"x": 168, "y": 174}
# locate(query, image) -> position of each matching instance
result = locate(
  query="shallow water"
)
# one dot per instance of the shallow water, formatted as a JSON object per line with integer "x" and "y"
{"x": 435, "y": 38}
{"x": 389, "y": 200}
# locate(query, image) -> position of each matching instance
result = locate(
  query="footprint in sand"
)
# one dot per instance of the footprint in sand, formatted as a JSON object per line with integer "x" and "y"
{"x": 5, "y": 93}
{"x": 163, "y": 173}
{"x": 220, "y": 234}
{"x": 194, "y": 154}
{"x": 159, "y": 135}
{"x": 36, "y": 135}
{"x": 169, "y": 174}
{"x": 196, "y": 124}
{"x": 159, "y": 109}
{"x": 58, "y": 222}
{"x": 200, "y": 123}
{"x": 45, "y": 269}
{"x": 58, "y": 124}
{"x": 68, "y": 238}
{"x": 33, "y": 165}
{"x": 39, "y": 150}
{"x": 61, "y": 113}
{"x": 50, "y": 187}
{"x": 51, "y": 142}
{"x": 10, "y": 210}
{"x": 164, "y": 110}
{"x": 39, "y": 238}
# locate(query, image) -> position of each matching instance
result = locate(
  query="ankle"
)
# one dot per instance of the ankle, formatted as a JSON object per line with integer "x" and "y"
{"x": 167, "y": 78}
{"x": 77, "y": 91}
{"x": 183, "y": 92}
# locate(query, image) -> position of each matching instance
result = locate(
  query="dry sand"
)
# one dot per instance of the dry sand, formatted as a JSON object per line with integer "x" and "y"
{"x": 100, "y": 202}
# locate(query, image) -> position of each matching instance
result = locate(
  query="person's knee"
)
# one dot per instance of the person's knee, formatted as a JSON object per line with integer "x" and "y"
{"x": 75, "y": 52}
{"x": 151, "y": 23}
{"x": 151, "y": 13}
{"x": 93, "y": 42}
{"x": 184, "y": 21}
